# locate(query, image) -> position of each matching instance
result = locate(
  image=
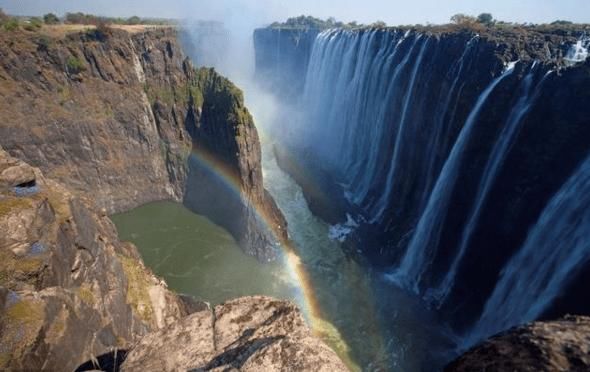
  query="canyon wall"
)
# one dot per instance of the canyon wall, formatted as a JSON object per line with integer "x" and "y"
{"x": 69, "y": 289}
{"x": 117, "y": 115}
{"x": 72, "y": 295}
{"x": 447, "y": 146}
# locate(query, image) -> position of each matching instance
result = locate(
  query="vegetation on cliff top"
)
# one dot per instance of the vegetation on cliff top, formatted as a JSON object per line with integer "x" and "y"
{"x": 75, "y": 22}
{"x": 480, "y": 23}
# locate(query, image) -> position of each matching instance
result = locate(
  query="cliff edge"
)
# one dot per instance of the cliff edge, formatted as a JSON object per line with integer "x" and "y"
{"x": 119, "y": 116}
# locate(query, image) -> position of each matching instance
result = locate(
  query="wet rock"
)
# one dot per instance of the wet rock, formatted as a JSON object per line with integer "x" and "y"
{"x": 562, "y": 345}
{"x": 247, "y": 334}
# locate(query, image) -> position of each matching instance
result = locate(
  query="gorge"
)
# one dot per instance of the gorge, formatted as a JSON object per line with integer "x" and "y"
{"x": 373, "y": 199}
{"x": 433, "y": 148}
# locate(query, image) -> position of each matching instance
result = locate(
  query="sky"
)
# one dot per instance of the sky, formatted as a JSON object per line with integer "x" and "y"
{"x": 393, "y": 12}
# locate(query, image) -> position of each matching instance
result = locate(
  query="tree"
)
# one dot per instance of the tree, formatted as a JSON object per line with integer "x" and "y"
{"x": 462, "y": 19}
{"x": 486, "y": 19}
{"x": 135, "y": 20}
{"x": 50, "y": 19}
{"x": 560, "y": 22}
{"x": 379, "y": 24}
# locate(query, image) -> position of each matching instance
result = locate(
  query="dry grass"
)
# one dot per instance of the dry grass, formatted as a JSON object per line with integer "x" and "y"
{"x": 58, "y": 31}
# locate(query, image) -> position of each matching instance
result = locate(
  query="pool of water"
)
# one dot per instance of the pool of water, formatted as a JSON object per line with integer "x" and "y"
{"x": 197, "y": 257}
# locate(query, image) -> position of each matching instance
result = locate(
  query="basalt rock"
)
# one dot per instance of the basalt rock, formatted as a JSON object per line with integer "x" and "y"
{"x": 116, "y": 115}
{"x": 69, "y": 289}
{"x": 247, "y": 334}
{"x": 562, "y": 345}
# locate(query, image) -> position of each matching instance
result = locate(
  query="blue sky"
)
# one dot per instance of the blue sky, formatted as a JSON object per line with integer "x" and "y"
{"x": 365, "y": 11}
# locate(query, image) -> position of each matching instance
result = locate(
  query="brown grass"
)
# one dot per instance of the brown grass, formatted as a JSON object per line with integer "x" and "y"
{"x": 58, "y": 31}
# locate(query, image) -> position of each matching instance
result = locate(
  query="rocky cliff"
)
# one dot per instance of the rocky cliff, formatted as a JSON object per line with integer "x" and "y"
{"x": 116, "y": 116}
{"x": 69, "y": 289}
{"x": 247, "y": 334}
{"x": 72, "y": 295}
{"x": 542, "y": 346}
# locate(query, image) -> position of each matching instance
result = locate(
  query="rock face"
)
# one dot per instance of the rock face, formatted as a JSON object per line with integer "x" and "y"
{"x": 116, "y": 115}
{"x": 247, "y": 334}
{"x": 562, "y": 345}
{"x": 69, "y": 289}
{"x": 227, "y": 166}
{"x": 71, "y": 292}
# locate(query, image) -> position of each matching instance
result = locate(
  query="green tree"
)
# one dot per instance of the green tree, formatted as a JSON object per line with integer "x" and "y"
{"x": 135, "y": 20}
{"x": 486, "y": 19}
{"x": 50, "y": 19}
{"x": 560, "y": 22}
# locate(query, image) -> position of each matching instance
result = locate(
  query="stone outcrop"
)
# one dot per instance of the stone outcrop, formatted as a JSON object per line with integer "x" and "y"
{"x": 69, "y": 289}
{"x": 115, "y": 115}
{"x": 247, "y": 334}
{"x": 562, "y": 345}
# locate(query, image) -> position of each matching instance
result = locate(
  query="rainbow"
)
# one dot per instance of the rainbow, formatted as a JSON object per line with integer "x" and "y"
{"x": 308, "y": 302}
{"x": 230, "y": 180}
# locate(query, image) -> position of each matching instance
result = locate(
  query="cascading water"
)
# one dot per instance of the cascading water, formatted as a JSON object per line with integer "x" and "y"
{"x": 398, "y": 132}
{"x": 424, "y": 242}
{"x": 555, "y": 249}
{"x": 578, "y": 52}
{"x": 362, "y": 87}
{"x": 528, "y": 93}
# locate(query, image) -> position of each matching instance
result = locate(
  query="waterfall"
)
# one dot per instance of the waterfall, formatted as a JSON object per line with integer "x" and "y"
{"x": 422, "y": 247}
{"x": 382, "y": 202}
{"x": 392, "y": 115}
{"x": 578, "y": 52}
{"x": 359, "y": 101}
{"x": 528, "y": 94}
{"x": 555, "y": 249}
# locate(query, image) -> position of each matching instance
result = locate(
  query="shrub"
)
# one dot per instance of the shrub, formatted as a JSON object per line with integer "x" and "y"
{"x": 486, "y": 19}
{"x": 135, "y": 20}
{"x": 43, "y": 43}
{"x": 75, "y": 65}
{"x": 560, "y": 22}
{"x": 11, "y": 25}
{"x": 379, "y": 24}
{"x": 462, "y": 19}
{"x": 33, "y": 24}
{"x": 102, "y": 31}
{"x": 50, "y": 19}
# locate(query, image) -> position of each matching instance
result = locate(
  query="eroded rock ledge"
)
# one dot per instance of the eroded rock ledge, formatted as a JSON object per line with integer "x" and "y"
{"x": 247, "y": 334}
{"x": 562, "y": 345}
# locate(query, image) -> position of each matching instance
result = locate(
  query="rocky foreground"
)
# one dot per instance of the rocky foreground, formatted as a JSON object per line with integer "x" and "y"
{"x": 562, "y": 345}
{"x": 71, "y": 292}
